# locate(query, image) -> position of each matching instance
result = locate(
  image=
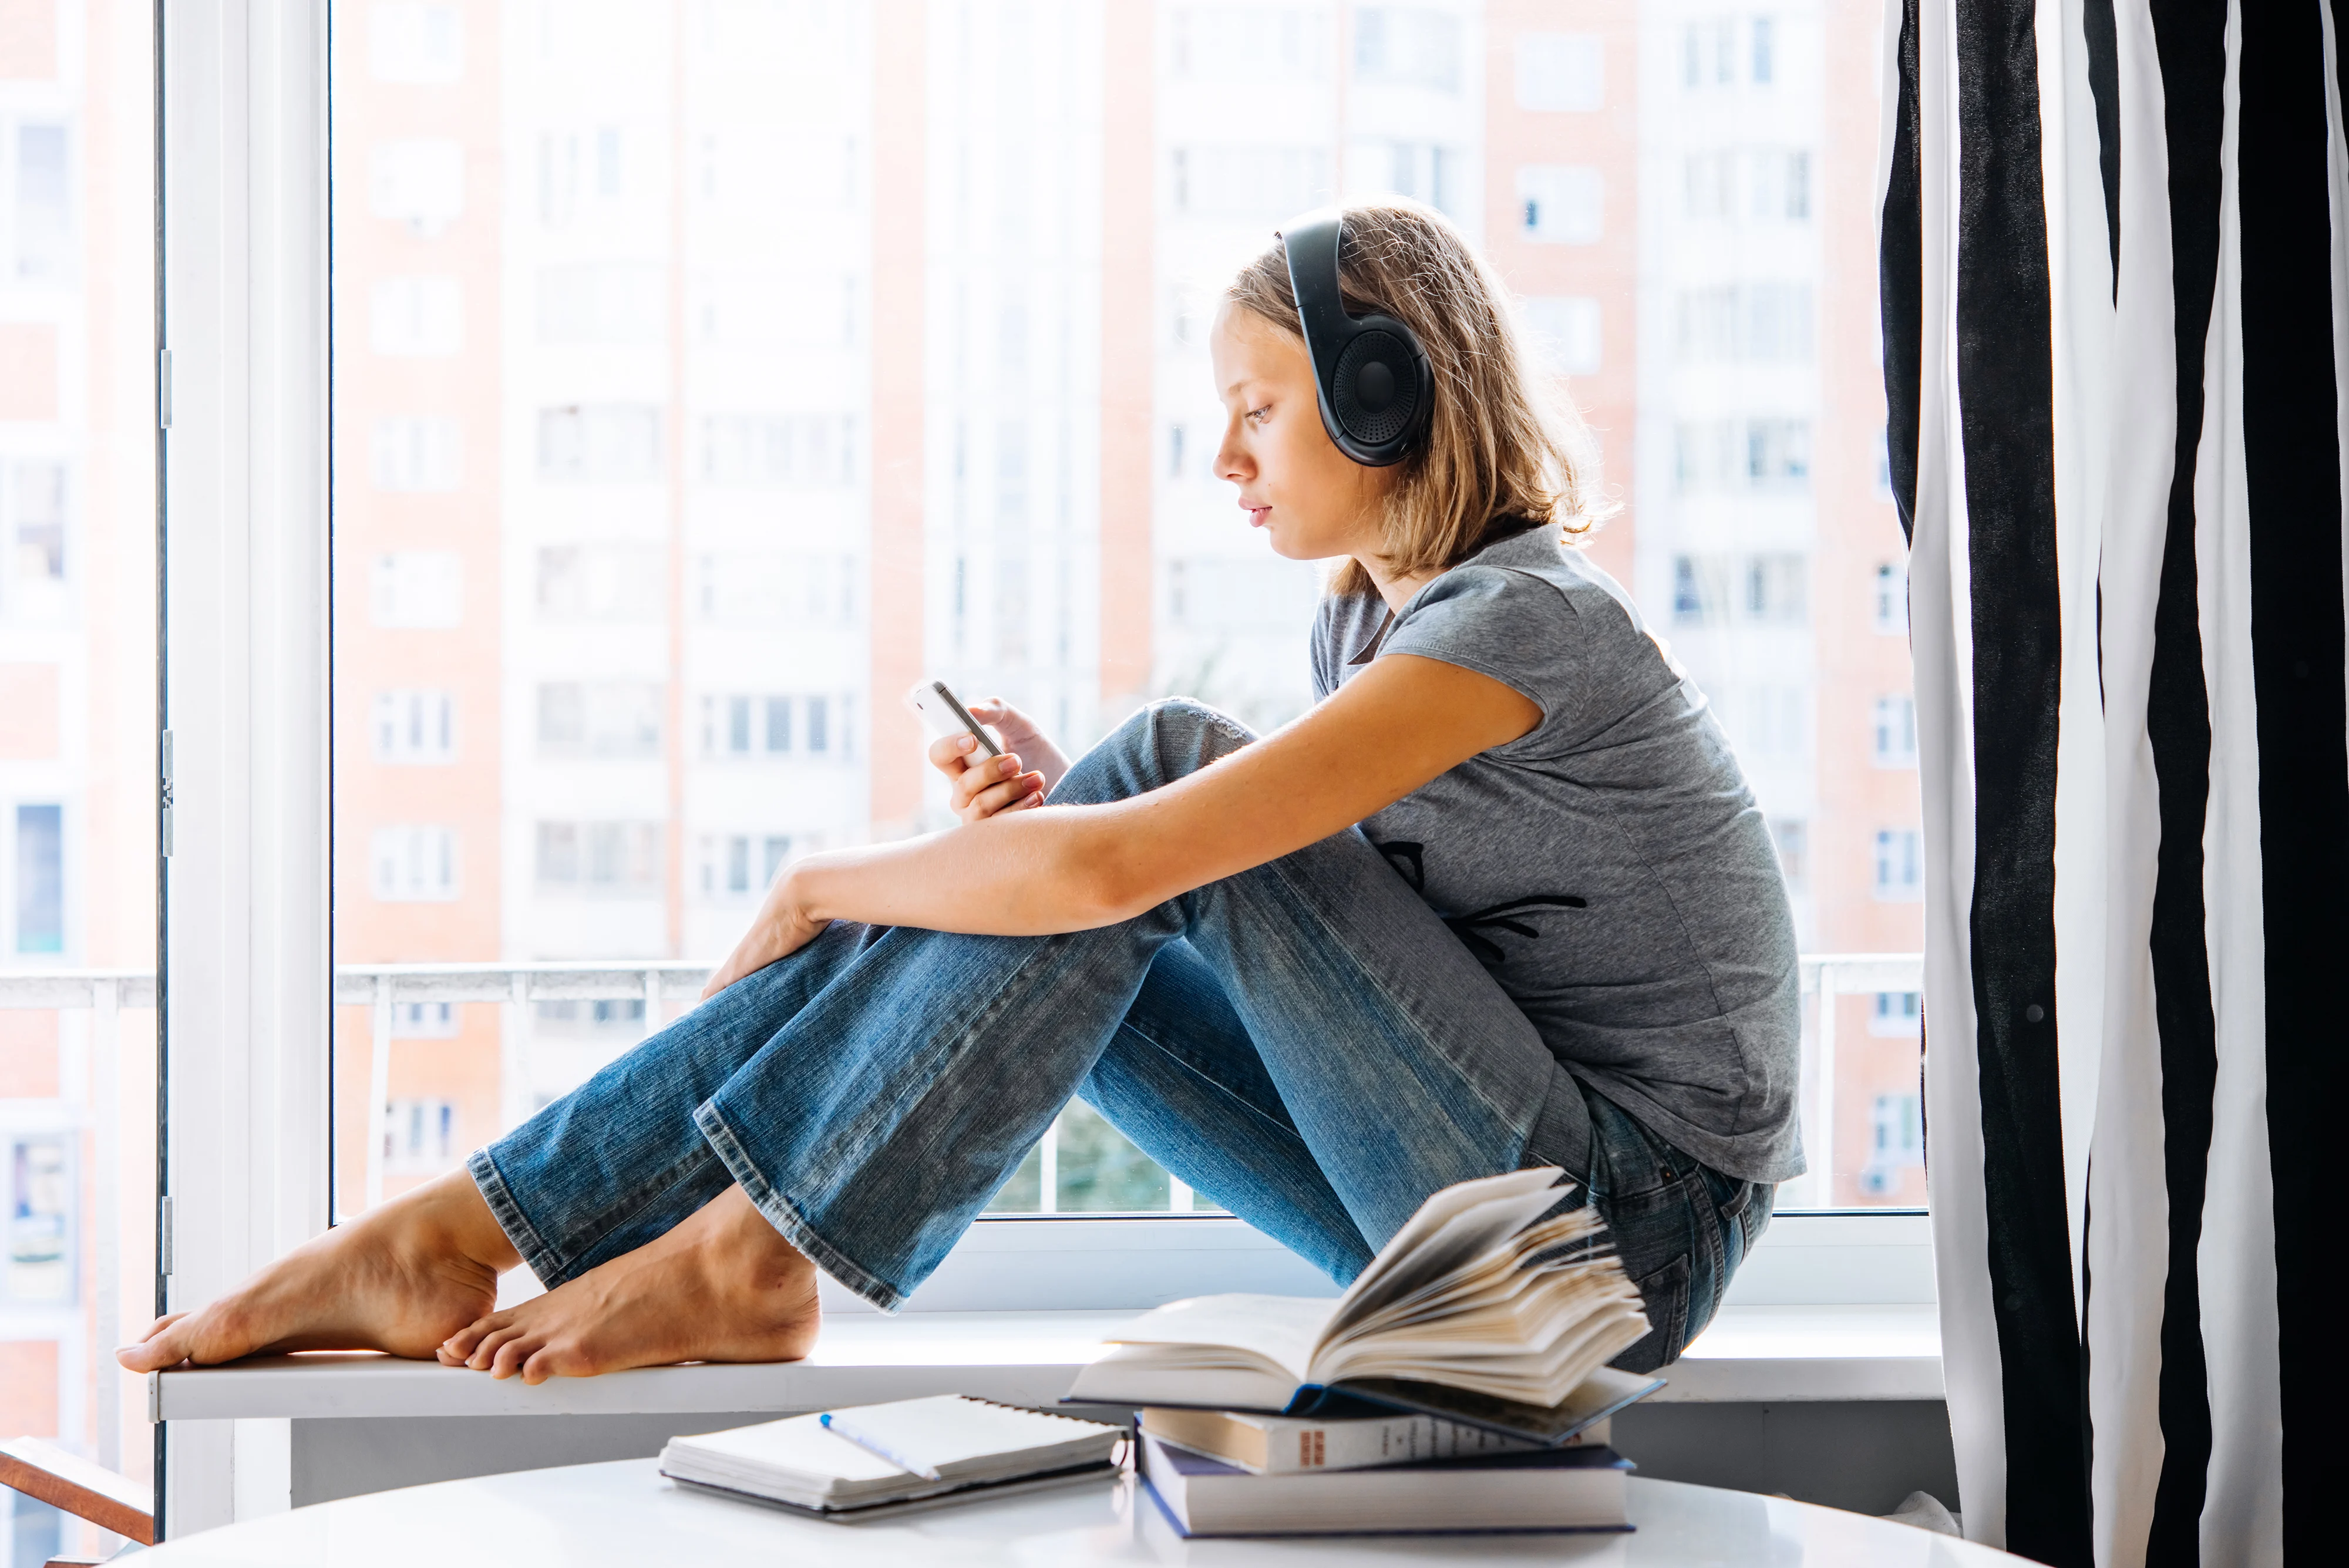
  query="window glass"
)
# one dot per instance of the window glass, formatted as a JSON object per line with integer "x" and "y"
{"x": 77, "y": 742}
{"x": 708, "y": 372}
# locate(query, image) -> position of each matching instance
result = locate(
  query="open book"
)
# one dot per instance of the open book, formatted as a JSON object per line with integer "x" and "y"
{"x": 1479, "y": 1311}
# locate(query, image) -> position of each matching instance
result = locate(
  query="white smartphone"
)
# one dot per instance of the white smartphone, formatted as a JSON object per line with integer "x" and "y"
{"x": 943, "y": 712}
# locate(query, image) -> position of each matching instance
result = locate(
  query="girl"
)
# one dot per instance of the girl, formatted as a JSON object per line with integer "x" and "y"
{"x": 1501, "y": 898}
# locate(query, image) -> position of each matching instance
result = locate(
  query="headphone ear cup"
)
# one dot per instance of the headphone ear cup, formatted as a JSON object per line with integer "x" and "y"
{"x": 1376, "y": 390}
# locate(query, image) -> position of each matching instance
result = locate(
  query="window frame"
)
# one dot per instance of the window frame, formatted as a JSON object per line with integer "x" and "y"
{"x": 246, "y": 953}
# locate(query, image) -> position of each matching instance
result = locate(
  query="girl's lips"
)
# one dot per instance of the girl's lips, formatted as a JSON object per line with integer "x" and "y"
{"x": 1256, "y": 515}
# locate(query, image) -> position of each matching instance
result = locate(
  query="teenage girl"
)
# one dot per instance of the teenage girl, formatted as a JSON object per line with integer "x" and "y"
{"x": 1501, "y": 898}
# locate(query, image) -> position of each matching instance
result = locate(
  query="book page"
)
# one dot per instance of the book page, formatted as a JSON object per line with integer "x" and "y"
{"x": 1282, "y": 1329}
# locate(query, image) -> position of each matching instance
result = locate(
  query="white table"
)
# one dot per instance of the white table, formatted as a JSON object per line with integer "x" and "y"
{"x": 584, "y": 1516}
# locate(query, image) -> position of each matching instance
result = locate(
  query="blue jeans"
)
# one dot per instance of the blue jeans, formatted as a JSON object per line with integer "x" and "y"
{"x": 1306, "y": 1043}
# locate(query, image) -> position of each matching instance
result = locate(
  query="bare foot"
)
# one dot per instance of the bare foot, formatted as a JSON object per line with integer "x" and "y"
{"x": 400, "y": 1278}
{"x": 722, "y": 1286}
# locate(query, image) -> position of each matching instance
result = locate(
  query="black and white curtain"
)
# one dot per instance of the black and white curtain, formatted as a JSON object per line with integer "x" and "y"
{"x": 2114, "y": 256}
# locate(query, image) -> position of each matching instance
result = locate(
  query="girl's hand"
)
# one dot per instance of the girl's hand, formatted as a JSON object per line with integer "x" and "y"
{"x": 781, "y": 929}
{"x": 983, "y": 786}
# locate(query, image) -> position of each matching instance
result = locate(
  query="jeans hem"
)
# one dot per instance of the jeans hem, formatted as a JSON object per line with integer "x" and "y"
{"x": 793, "y": 1226}
{"x": 537, "y": 1255}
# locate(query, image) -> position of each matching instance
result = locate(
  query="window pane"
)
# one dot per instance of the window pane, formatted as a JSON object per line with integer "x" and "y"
{"x": 78, "y": 743}
{"x": 707, "y": 378}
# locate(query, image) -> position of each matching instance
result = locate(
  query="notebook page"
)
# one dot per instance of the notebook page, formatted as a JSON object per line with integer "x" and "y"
{"x": 946, "y": 1431}
{"x": 1282, "y": 1329}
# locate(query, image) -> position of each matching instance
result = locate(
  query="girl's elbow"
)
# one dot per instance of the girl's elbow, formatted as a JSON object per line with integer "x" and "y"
{"x": 1106, "y": 890}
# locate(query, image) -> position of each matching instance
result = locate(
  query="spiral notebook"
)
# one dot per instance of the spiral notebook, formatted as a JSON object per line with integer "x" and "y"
{"x": 905, "y": 1453}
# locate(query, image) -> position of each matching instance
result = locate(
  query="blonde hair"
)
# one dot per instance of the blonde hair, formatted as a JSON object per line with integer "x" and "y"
{"x": 1503, "y": 453}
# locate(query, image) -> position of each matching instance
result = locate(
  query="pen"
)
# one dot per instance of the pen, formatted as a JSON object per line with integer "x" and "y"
{"x": 872, "y": 1445}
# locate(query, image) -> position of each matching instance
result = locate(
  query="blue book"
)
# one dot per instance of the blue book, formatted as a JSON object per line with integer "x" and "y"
{"x": 1540, "y": 1489}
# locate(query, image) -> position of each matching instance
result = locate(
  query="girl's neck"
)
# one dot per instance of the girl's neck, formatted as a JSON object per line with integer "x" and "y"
{"x": 1397, "y": 590}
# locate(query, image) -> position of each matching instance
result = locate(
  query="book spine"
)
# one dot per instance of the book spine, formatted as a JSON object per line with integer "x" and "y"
{"x": 1357, "y": 1445}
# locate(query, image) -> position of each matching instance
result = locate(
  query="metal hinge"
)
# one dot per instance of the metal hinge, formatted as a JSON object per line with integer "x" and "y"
{"x": 163, "y": 389}
{"x": 167, "y": 793}
{"x": 163, "y": 1235}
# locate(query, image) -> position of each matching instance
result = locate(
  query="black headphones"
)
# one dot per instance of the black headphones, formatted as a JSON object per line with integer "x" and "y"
{"x": 1375, "y": 387}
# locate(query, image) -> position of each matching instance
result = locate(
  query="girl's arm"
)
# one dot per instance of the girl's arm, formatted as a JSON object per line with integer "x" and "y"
{"x": 1400, "y": 723}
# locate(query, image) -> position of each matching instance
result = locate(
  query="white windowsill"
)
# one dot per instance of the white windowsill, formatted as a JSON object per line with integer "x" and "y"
{"x": 1751, "y": 1354}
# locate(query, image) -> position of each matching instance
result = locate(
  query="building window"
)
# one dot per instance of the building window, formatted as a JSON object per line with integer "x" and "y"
{"x": 1776, "y": 589}
{"x": 416, "y": 45}
{"x": 415, "y": 725}
{"x": 603, "y": 582}
{"x": 414, "y": 863}
{"x": 1561, "y": 203}
{"x": 1563, "y": 331}
{"x": 802, "y": 452}
{"x": 419, "y": 1135}
{"x": 602, "y": 719}
{"x": 1764, "y": 55}
{"x": 610, "y": 1018}
{"x": 818, "y": 725}
{"x": 1890, "y": 600}
{"x": 1778, "y": 453}
{"x": 40, "y": 879}
{"x": 1248, "y": 183}
{"x": 419, "y": 317}
{"x": 1757, "y": 323}
{"x": 417, "y": 454}
{"x": 1897, "y": 1014}
{"x": 417, "y": 590}
{"x": 1699, "y": 592}
{"x": 605, "y": 859}
{"x": 600, "y": 444}
{"x": 1561, "y": 72}
{"x": 36, "y": 503}
{"x": 1899, "y": 865}
{"x": 1894, "y": 731}
{"x": 424, "y": 1020}
{"x": 1249, "y": 43}
{"x": 417, "y": 181}
{"x": 1407, "y": 46}
{"x": 778, "y": 725}
{"x": 44, "y": 226}
{"x": 1896, "y": 1142}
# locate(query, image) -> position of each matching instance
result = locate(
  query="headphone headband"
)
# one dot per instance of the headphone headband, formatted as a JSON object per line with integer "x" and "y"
{"x": 1371, "y": 377}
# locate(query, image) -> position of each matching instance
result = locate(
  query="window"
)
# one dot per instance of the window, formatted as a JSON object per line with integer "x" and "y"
{"x": 599, "y": 443}
{"x": 40, "y": 879}
{"x": 1890, "y": 601}
{"x": 1407, "y": 46}
{"x": 1565, "y": 332}
{"x": 418, "y": 590}
{"x": 420, "y": 1135}
{"x": 417, "y": 181}
{"x": 1896, "y": 1142}
{"x": 1899, "y": 865}
{"x": 415, "y": 864}
{"x": 1896, "y": 1014}
{"x": 1776, "y": 588}
{"x": 1562, "y": 203}
{"x": 418, "y": 453}
{"x": 1759, "y": 322}
{"x": 602, "y": 582}
{"x": 602, "y": 718}
{"x": 33, "y": 517}
{"x": 44, "y": 215}
{"x": 417, "y": 319}
{"x": 1894, "y": 731}
{"x": 643, "y": 491}
{"x": 1249, "y": 43}
{"x": 1561, "y": 72}
{"x": 423, "y": 1021}
{"x": 608, "y": 859}
{"x": 416, "y": 724}
{"x": 420, "y": 45}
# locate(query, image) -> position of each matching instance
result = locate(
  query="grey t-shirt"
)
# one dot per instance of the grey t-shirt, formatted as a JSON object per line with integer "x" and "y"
{"x": 1610, "y": 867}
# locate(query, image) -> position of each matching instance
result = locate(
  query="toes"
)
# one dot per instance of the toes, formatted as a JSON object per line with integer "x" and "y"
{"x": 458, "y": 1349}
{"x": 556, "y": 1360}
{"x": 512, "y": 1355}
{"x": 486, "y": 1352}
{"x": 163, "y": 1345}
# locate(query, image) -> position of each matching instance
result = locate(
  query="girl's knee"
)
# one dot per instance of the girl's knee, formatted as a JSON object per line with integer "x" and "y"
{"x": 1161, "y": 742}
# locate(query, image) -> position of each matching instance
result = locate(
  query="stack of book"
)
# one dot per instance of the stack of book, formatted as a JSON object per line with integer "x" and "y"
{"x": 1460, "y": 1384}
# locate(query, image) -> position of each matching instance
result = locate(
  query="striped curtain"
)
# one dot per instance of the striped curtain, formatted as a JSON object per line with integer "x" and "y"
{"x": 2115, "y": 253}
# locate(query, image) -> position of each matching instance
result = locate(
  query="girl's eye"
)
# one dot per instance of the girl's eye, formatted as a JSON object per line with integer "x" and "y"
{"x": 1258, "y": 414}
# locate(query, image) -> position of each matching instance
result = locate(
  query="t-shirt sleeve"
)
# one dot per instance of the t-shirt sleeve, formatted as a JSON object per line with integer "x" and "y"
{"x": 1325, "y": 661}
{"x": 1513, "y": 627}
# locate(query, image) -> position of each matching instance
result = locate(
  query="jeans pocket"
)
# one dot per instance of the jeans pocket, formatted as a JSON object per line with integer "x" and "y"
{"x": 1665, "y": 1296}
